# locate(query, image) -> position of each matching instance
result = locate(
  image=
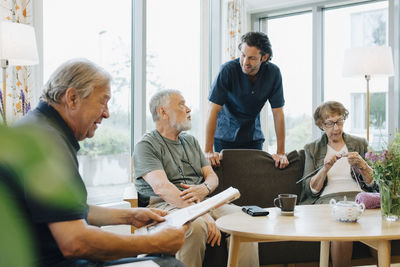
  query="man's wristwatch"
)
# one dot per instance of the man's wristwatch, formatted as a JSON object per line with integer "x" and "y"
{"x": 208, "y": 187}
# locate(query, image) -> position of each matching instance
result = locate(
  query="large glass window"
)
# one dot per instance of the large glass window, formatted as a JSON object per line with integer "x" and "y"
{"x": 99, "y": 30}
{"x": 354, "y": 26}
{"x": 173, "y": 53}
{"x": 291, "y": 39}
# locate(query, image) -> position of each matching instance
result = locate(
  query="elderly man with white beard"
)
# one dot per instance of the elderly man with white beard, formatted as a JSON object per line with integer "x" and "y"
{"x": 171, "y": 172}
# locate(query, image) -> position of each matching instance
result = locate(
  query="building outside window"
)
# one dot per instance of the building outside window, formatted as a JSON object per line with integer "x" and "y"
{"x": 99, "y": 30}
{"x": 354, "y": 26}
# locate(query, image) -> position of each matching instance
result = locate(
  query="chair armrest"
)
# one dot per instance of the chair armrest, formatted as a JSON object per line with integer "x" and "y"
{"x": 131, "y": 196}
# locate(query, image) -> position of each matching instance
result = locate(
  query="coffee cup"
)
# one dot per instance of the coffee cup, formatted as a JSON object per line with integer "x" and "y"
{"x": 286, "y": 202}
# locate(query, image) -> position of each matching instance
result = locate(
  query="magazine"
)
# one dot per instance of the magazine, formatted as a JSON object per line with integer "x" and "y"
{"x": 184, "y": 215}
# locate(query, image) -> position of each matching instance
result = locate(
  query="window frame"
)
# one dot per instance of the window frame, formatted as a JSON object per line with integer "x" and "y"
{"x": 259, "y": 22}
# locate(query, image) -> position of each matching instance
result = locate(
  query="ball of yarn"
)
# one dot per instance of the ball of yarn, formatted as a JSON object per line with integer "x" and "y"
{"x": 370, "y": 200}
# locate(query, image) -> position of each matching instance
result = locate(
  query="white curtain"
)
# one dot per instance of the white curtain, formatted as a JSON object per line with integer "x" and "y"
{"x": 19, "y": 80}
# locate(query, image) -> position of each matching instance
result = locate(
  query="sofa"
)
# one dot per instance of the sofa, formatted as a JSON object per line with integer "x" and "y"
{"x": 259, "y": 182}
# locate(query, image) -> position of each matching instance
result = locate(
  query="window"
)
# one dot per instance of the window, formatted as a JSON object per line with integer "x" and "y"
{"x": 173, "y": 54}
{"x": 99, "y": 30}
{"x": 360, "y": 25}
{"x": 377, "y": 110}
{"x": 291, "y": 39}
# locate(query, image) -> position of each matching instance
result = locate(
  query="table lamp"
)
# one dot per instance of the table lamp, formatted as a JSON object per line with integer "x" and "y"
{"x": 17, "y": 47}
{"x": 367, "y": 61}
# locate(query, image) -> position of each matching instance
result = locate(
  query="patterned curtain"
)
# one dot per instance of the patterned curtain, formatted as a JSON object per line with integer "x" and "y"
{"x": 18, "y": 78}
{"x": 235, "y": 17}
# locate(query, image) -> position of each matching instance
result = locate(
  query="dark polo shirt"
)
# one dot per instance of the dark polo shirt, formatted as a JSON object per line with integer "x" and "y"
{"x": 47, "y": 119}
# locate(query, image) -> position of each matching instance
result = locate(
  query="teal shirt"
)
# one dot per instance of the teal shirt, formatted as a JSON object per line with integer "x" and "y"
{"x": 242, "y": 101}
{"x": 154, "y": 152}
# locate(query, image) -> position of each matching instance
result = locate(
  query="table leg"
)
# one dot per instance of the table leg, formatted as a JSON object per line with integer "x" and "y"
{"x": 234, "y": 244}
{"x": 324, "y": 254}
{"x": 384, "y": 253}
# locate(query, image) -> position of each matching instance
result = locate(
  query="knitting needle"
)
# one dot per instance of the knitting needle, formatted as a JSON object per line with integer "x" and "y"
{"x": 320, "y": 167}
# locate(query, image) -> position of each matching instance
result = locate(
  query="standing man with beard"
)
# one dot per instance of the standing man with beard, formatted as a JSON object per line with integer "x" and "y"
{"x": 238, "y": 94}
{"x": 171, "y": 172}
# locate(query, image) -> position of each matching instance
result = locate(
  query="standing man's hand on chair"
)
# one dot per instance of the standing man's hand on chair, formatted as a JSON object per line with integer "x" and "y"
{"x": 281, "y": 160}
{"x": 214, "y": 158}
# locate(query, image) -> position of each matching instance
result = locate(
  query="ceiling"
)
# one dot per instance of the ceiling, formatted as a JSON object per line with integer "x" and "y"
{"x": 255, "y": 6}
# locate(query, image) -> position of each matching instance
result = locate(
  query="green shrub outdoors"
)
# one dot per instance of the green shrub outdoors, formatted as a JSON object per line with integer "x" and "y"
{"x": 105, "y": 142}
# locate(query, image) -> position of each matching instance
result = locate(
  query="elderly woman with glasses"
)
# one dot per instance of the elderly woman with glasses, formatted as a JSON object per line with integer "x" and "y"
{"x": 335, "y": 168}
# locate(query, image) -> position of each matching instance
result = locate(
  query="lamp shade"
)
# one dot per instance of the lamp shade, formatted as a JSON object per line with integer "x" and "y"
{"x": 18, "y": 44}
{"x": 368, "y": 60}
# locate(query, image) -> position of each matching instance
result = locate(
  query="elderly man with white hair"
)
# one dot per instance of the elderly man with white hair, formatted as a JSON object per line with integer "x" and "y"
{"x": 74, "y": 102}
{"x": 171, "y": 172}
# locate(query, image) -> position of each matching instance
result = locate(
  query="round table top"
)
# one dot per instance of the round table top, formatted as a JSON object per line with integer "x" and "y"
{"x": 309, "y": 223}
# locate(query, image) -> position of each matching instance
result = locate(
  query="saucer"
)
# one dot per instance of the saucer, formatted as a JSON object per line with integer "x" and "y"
{"x": 287, "y": 213}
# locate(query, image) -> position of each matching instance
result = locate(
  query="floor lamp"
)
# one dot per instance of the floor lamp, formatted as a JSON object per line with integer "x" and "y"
{"x": 368, "y": 61}
{"x": 17, "y": 47}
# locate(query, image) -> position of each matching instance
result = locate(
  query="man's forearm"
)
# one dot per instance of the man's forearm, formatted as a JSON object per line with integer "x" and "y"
{"x": 163, "y": 188}
{"x": 171, "y": 194}
{"x": 210, "y": 131}
{"x": 279, "y": 123}
{"x": 211, "y": 126}
{"x": 212, "y": 183}
{"x": 101, "y": 216}
{"x": 210, "y": 177}
{"x": 109, "y": 246}
{"x": 280, "y": 145}
{"x": 95, "y": 244}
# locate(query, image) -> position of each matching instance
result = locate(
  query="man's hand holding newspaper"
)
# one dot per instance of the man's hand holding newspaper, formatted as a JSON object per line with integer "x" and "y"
{"x": 188, "y": 214}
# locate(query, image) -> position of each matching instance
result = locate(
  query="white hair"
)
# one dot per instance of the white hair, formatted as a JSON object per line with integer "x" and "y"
{"x": 81, "y": 74}
{"x": 160, "y": 99}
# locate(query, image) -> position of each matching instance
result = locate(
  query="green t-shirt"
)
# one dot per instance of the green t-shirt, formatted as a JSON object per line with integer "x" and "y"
{"x": 154, "y": 152}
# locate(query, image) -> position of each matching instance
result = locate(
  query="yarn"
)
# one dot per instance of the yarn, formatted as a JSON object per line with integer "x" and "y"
{"x": 370, "y": 200}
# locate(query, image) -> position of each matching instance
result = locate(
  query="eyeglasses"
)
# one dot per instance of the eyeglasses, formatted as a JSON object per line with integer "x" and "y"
{"x": 330, "y": 124}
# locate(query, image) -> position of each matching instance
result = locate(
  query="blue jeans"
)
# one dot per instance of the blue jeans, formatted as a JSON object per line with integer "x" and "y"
{"x": 219, "y": 145}
{"x": 161, "y": 260}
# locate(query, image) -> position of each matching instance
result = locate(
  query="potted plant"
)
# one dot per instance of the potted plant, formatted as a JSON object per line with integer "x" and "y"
{"x": 386, "y": 173}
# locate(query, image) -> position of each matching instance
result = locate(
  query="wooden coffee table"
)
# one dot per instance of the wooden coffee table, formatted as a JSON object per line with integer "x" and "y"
{"x": 310, "y": 223}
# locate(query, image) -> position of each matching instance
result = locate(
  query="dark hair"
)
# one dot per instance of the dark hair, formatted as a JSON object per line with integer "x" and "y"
{"x": 259, "y": 40}
{"x": 327, "y": 109}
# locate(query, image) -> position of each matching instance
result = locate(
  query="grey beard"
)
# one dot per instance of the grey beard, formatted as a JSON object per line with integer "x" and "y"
{"x": 180, "y": 127}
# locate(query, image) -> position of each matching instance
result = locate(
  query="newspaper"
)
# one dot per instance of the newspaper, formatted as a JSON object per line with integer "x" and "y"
{"x": 184, "y": 215}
